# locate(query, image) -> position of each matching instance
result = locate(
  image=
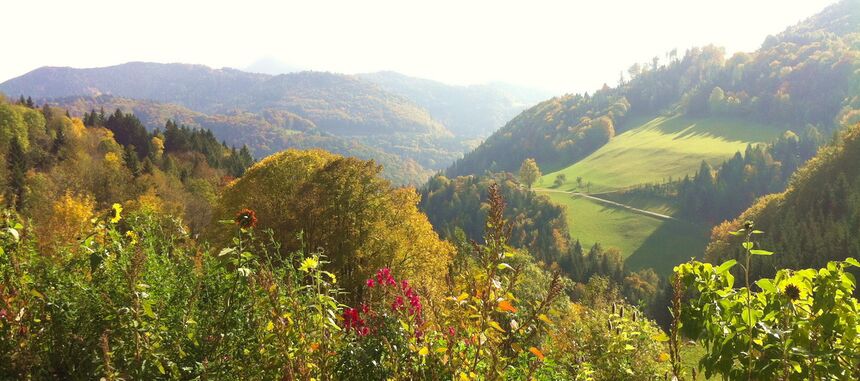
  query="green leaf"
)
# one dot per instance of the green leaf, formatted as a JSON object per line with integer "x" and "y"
{"x": 747, "y": 245}
{"x": 226, "y": 251}
{"x": 37, "y": 294}
{"x": 766, "y": 285}
{"x": 726, "y": 266}
{"x": 760, "y": 252}
{"x": 147, "y": 309}
{"x": 502, "y": 266}
{"x": 852, "y": 262}
{"x": 661, "y": 337}
{"x": 756, "y": 232}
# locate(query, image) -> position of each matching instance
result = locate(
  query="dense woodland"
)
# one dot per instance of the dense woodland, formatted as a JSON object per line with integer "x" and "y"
{"x": 814, "y": 221}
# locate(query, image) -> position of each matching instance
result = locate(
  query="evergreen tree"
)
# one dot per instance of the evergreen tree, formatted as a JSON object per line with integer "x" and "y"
{"x": 16, "y": 162}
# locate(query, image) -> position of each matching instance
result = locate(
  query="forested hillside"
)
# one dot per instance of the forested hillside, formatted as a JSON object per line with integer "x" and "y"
{"x": 814, "y": 221}
{"x": 470, "y": 111}
{"x": 686, "y": 140}
{"x": 56, "y": 168}
{"x": 350, "y": 115}
{"x": 805, "y": 75}
{"x": 264, "y": 133}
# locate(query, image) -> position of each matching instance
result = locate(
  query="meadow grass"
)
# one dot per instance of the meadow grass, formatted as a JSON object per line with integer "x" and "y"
{"x": 657, "y": 149}
{"x": 644, "y": 241}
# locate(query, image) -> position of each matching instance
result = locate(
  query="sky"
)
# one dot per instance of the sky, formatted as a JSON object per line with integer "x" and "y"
{"x": 558, "y": 46}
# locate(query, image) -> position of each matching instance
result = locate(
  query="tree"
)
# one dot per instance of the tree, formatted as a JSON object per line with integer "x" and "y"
{"x": 579, "y": 181}
{"x": 16, "y": 161}
{"x": 529, "y": 172}
{"x": 560, "y": 179}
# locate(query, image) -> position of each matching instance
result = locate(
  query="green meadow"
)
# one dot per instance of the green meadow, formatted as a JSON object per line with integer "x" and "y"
{"x": 661, "y": 148}
{"x": 643, "y": 240}
{"x": 654, "y": 150}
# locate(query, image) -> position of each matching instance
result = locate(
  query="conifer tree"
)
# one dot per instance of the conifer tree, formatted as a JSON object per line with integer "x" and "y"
{"x": 16, "y": 161}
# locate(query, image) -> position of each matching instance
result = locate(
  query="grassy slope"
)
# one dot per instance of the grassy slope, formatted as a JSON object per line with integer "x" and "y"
{"x": 653, "y": 150}
{"x": 660, "y": 148}
{"x": 645, "y": 241}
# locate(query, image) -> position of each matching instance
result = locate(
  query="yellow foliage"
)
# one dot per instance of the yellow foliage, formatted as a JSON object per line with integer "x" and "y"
{"x": 68, "y": 218}
{"x": 112, "y": 160}
{"x": 77, "y": 129}
{"x": 343, "y": 207}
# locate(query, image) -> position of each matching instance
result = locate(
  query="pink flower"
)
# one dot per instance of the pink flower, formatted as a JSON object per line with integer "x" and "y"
{"x": 370, "y": 283}
{"x": 397, "y": 304}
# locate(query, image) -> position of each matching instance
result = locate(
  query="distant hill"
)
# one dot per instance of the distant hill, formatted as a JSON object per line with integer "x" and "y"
{"x": 264, "y": 133}
{"x": 405, "y": 126}
{"x": 470, "y": 111}
{"x": 334, "y": 102}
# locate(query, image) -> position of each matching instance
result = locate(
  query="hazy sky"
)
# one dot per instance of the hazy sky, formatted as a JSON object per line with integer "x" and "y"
{"x": 562, "y": 46}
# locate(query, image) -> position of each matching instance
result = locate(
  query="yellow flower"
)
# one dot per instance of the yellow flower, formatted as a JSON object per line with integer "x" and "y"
{"x": 131, "y": 234}
{"x": 117, "y": 210}
{"x": 309, "y": 264}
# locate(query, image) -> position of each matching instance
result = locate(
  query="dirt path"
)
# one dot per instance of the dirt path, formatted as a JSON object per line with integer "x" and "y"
{"x": 613, "y": 203}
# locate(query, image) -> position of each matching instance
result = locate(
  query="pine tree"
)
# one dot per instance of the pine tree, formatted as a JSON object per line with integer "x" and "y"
{"x": 16, "y": 161}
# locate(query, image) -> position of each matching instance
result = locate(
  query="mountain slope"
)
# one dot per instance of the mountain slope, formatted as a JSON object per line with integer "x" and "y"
{"x": 816, "y": 220}
{"x": 662, "y": 148}
{"x": 332, "y": 101}
{"x": 809, "y": 74}
{"x": 469, "y": 111}
{"x": 264, "y": 133}
{"x": 669, "y": 118}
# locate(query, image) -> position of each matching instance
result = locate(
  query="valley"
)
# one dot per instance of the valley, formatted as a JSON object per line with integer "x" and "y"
{"x": 693, "y": 216}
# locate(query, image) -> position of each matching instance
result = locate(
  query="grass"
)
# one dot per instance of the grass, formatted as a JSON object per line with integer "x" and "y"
{"x": 653, "y": 150}
{"x": 690, "y": 355}
{"x": 660, "y": 148}
{"x": 645, "y": 241}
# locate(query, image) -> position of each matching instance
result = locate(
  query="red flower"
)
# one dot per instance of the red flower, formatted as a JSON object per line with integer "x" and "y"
{"x": 370, "y": 283}
{"x": 397, "y": 303}
{"x": 246, "y": 218}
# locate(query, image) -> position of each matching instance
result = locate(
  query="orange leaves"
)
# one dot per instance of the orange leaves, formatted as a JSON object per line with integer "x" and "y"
{"x": 506, "y": 306}
{"x": 537, "y": 353}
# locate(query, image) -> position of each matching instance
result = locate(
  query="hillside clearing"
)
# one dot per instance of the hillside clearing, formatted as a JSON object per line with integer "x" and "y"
{"x": 643, "y": 240}
{"x": 659, "y": 149}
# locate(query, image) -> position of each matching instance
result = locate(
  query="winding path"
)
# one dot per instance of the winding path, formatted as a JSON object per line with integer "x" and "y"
{"x": 613, "y": 203}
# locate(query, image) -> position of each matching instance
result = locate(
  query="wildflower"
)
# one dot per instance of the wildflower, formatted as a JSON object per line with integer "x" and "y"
{"x": 352, "y": 319}
{"x": 792, "y": 291}
{"x": 397, "y": 303}
{"x": 309, "y": 264}
{"x": 246, "y": 218}
{"x": 452, "y": 332}
{"x": 384, "y": 278}
{"x": 117, "y": 210}
{"x": 370, "y": 283}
